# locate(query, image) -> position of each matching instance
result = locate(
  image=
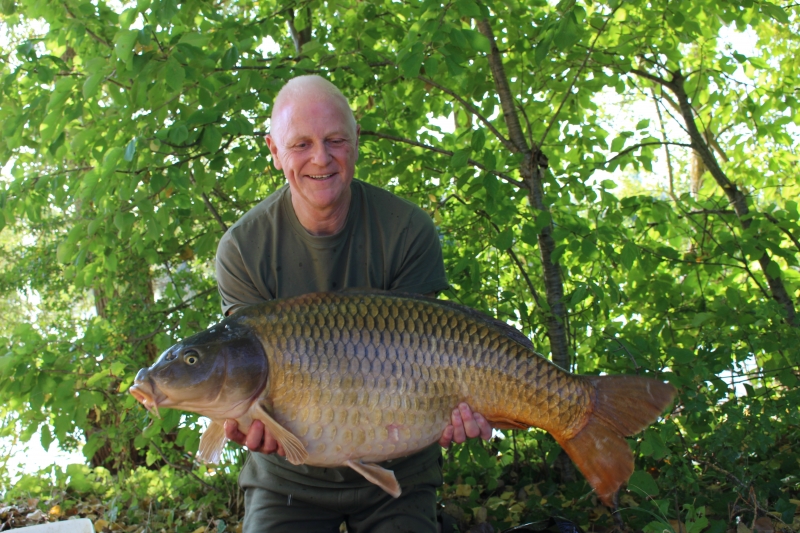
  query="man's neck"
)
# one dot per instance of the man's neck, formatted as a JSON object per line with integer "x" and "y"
{"x": 322, "y": 222}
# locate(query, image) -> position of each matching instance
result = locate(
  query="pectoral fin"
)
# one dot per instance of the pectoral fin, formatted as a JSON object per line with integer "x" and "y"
{"x": 295, "y": 451}
{"x": 212, "y": 443}
{"x": 380, "y": 476}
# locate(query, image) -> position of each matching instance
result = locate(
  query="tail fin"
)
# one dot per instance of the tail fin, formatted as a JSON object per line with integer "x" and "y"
{"x": 623, "y": 406}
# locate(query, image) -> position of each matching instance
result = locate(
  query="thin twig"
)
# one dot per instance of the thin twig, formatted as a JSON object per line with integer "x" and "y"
{"x": 568, "y": 92}
{"x": 179, "y": 467}
{"x": 187, "y": 301}
{"x": 472, "y": 162}
{"x": 531, "y": 288}
{"x": 472, "y": 109}
{"x": 636, "y": 366}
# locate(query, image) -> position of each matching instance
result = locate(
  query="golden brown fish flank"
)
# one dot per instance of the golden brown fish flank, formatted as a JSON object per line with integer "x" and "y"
{"x": 360, "y": 377}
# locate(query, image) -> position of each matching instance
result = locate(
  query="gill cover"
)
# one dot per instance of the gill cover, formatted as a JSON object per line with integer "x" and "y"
{"x": 210, "y": 373}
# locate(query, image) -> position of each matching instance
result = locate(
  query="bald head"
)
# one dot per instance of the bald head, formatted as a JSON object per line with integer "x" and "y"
{"x": 306, "y": 90}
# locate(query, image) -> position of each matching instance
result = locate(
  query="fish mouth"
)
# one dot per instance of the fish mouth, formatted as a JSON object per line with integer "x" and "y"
{"x": 145, "y": 393}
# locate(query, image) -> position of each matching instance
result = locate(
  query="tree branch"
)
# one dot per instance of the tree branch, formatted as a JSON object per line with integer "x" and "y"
{"x": 472, "y": 109}
{"x": 299, "y": 37}
{"x": 528, "y": 281}
{"x": 785, "y": 230}
{"x": 735, "y": 196}
{"x": 187, "y": 301}
{"x": 568, "y": 92}
{"x": 503, "y": 89}
{"x": 501, "y": 175}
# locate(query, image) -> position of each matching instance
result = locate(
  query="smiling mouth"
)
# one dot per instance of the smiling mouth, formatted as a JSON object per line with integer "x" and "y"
{"x": 320, "y": 177}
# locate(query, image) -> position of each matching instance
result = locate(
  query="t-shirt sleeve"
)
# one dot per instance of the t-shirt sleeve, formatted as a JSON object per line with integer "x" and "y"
{"x": 234, "y": 282}
{"x": 422, "y": 269}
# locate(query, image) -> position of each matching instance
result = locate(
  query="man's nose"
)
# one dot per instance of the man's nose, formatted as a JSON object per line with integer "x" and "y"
{"x": 320, "y": 154}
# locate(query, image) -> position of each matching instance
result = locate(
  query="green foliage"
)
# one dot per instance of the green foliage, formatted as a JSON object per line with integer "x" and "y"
{"x": 131, "y": 140}
{"x": 139, "y": 500}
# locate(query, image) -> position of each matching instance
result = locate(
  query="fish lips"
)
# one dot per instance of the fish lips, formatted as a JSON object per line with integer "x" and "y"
{"x": 146, "y": 393}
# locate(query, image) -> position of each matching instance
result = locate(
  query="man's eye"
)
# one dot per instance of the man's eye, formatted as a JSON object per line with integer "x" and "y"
{"x": 336, "y": 142}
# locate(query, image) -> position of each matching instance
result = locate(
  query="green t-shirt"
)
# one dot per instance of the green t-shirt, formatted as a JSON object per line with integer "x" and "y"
{"x": 387, "y": 243}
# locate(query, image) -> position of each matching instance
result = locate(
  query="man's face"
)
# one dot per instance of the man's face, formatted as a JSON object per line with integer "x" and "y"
{"x": 317, "y": 151}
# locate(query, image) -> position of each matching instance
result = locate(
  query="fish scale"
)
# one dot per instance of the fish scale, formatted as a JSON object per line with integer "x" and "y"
{"x": 355, "y": 378}
{"x": 462, "y": 362}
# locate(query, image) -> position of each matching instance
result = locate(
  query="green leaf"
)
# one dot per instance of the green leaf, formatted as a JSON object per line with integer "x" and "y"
{"x": 411, "y": 62}
{"x": 567, "y": 33}
{"x": 468, "y": 8}
{"x": 758, "y": 62}
{"x": 230, "y": 57}
{"x": 46, "y": 437}
{"x": 178, "y": 134}
{"x": 130, "y": 150}
{"x": 776, "y": 12}
{"x": 124, "y": 221}
{"x": 681, "y": 356}
{"x": 194, "y": 39}
{"x": 478, "y": 140}
{"x": 477, "y": 41}
{"x": 701, "y": 318}
{"x": 65, "y": 252}
{"x": 92, "y": 84}
{"x": 459, "y": 159}
{"x": 543, "y": 47}
{"x": 787, "y": 510}
{"x": 504, "y": 239}
{"x": 628, "y": 254}
{"x": 174, "y": 74}
{"x": 643, "y": 484}
{"x": 124, "y": 41}
{"x": 212, "y": 138}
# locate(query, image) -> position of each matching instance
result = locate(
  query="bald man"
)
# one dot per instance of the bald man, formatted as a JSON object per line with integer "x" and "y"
{"x": 325, "y": 231}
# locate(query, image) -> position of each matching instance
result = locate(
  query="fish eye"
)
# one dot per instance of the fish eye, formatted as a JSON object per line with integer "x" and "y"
{"x": 191, "y": 357}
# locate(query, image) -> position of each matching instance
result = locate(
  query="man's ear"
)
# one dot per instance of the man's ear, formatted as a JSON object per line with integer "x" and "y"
{"x": 273, "y": 149}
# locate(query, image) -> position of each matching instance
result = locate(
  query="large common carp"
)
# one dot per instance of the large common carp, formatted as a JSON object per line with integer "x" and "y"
{"x": 354, "y": 378}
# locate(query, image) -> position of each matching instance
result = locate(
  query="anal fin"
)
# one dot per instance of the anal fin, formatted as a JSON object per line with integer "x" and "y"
{"x": 296, "y": 453}
{"x": 376, "y": 474}
{"x": 212, "y": 442}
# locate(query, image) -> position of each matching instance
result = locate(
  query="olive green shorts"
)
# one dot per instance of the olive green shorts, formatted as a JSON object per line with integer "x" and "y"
{"x": 274, "y": 504}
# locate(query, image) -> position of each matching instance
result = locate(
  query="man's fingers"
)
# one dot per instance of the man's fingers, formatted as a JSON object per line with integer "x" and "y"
{"x": 471, "y": 428}
{"x": 447, "y": 436}
{"x": 255, "y": 435}
{"x": 459, "y": 435}
{"x": 233, "y": 433}
{"x": 484, "y": 425}
{"x": 270, "y": 444}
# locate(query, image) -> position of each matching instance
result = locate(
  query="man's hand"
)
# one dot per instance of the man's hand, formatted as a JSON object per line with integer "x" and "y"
{"x": 464, "y": 424}
{"x": 257, "y": 439}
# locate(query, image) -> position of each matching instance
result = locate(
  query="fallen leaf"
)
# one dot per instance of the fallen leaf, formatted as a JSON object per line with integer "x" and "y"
{"x": 463, "y": 490}
{"x": 100, "y": 525}
{"x": 677, "y": 526}
{"x": 763, "y": 525}
{"x": 741, "y": 528}
{"x": 55, "y": 511}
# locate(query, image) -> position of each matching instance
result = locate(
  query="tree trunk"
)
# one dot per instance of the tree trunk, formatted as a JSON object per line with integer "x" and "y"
{"x": 735, "y": 196}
